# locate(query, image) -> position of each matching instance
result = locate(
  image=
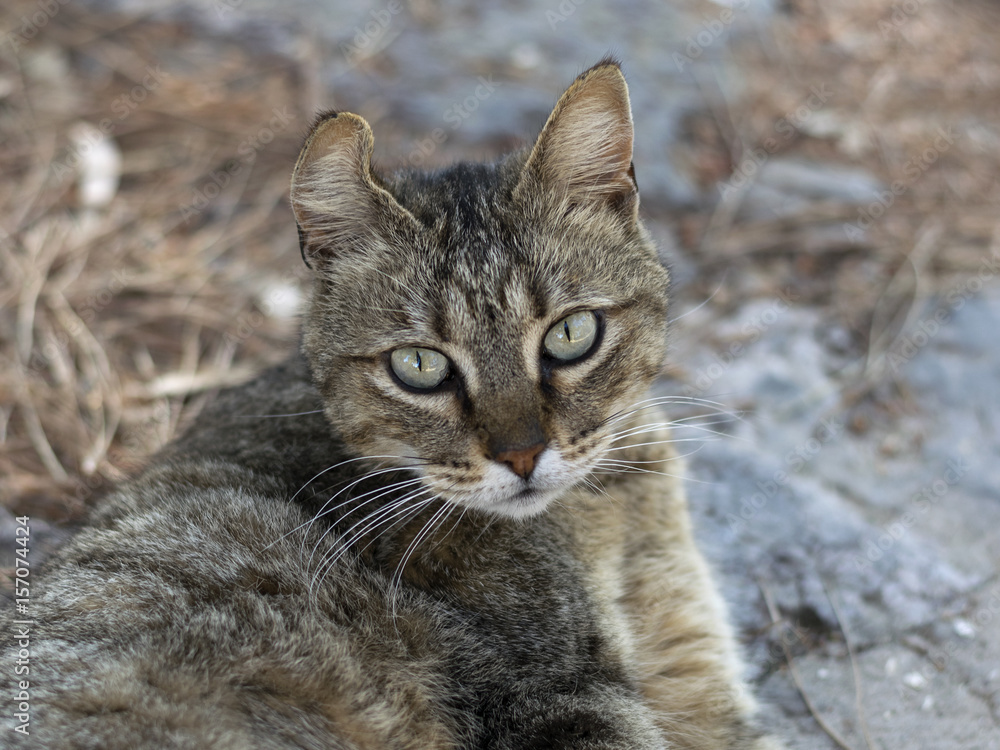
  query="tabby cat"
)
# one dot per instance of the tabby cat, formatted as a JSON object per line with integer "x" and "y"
{"x": 450, "y": 522}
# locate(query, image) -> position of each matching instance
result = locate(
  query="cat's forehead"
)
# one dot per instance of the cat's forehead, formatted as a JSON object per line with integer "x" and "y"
{"x": 477, "y": 236}
{"x": 467, "y": 205}
{"x": 485, "y": 266}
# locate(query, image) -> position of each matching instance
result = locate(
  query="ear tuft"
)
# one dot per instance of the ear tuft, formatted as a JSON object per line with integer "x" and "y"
{"x": 584, "y": 153}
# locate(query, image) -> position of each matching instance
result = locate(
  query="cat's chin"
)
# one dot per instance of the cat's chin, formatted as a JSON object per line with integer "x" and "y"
{"x": 524, "y": 504}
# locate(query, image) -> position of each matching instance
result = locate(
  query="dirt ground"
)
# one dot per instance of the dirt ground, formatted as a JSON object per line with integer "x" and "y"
{"x": 822, "y": 176}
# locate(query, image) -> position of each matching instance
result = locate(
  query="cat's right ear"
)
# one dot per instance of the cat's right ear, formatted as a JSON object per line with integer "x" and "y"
{"x": 583, "y": 157}
{"x": 338, "y": 205}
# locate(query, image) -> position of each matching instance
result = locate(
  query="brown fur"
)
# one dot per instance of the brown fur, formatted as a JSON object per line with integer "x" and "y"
{"x": 331, "y": 558}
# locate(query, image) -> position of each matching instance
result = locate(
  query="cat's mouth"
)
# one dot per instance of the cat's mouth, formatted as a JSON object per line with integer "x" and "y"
{"x": 521, "y": 502}
{"x": 529, "y": 501}
{"x": 499, "y": 491}
{"x": 524, "y": 503}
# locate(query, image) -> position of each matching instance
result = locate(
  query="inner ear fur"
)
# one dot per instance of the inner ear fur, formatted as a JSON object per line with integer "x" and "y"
{"x": 584, "y": 152}
{"x": 337, "y": 202}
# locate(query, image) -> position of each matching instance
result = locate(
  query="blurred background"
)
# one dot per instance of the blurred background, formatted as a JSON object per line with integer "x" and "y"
{"x": 822, "y": 178}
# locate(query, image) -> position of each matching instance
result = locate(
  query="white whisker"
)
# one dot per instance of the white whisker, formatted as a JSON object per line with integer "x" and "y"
{"x": 331, "y": 468}
{"x": 625, "y": 468}
{"x": 669, "y": 441}
{"x": 274, "y": 416}
{"x": 443, "y": 512}
{"x": 705, "y": 302}
{"x": 377, "y": 493}
{"x": 323, "y": 510}
{"x": 379, "y": 517}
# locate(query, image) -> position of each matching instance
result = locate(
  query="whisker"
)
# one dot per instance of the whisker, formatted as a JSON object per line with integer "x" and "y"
{"x": 722, "y": 416}
{"x": 381, "y": 491}
{"x": 650, "y": 427}
{"x": 626, "y": 468}
{"x": 377, "y": 517}
{"x": 657, "y": 442}
{"x": 705, "y": 302}
{"x": 331, "y": 468}
{"x": 441, "y": 513}
{"x": 397, "y": 576}
{"x": 630, "y": 462}
{"x": 724, "y": 419}
{"x": 274, "y": 416}
{"x": 323, "y": 510}
{"x": 595, "y": 484}
{"x": 656, "y": 426}
{"x": 678, "y": 400}
{"x": 376, "y": 493}
{"x": 393, "y": 510}
{"x": 678, "y": 457}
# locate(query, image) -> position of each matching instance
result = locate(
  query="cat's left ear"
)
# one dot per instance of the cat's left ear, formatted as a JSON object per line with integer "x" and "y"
{"x": 339, "y": 205}
{"x": 583, "y": 156}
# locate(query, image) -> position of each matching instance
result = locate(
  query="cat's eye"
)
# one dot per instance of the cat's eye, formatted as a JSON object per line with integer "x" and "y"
{"x": 572, "y": 337}
{"x": 420, "y": 368}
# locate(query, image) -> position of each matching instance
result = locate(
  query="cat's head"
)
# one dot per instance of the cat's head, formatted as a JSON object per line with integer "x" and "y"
{"x": 486, "y": 323}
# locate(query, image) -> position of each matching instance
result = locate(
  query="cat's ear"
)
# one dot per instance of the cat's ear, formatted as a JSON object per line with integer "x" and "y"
{"x": 337, "y": 202}
{"x": 584, "y": 153}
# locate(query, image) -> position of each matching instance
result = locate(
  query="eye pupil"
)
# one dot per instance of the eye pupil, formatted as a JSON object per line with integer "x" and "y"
{"x": 572, "y": 337}
{"x": 420, "y": 368}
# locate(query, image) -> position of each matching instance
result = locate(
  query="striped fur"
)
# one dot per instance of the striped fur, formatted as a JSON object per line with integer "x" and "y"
{"x": 331, "y": 559}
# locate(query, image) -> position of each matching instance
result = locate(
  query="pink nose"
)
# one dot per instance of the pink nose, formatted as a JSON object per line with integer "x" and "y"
{"x": 521, "y": 462}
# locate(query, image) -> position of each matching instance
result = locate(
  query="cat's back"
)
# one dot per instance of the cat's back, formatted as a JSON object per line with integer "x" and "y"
{"x": 188, "y": 615}
{"x": 212, "y": 603}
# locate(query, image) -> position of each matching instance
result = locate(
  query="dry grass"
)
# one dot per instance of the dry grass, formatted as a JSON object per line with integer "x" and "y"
{"x": 117, "y": 314}
{"x": 896, "y": 73}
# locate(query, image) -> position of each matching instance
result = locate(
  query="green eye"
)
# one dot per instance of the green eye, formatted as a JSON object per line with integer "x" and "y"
{"x": 419, "y": 368}
{"x": 572, "y": 337}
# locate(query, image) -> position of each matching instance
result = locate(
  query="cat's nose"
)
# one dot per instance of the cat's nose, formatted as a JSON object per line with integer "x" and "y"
{"x": 522, "y": 461}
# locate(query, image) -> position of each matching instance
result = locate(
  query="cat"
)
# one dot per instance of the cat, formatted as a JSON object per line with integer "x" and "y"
{"x": 450, "y": 521}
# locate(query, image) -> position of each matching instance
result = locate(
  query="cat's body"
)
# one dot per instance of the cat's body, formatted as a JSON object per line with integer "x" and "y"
{"x": 407, "y": 538}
